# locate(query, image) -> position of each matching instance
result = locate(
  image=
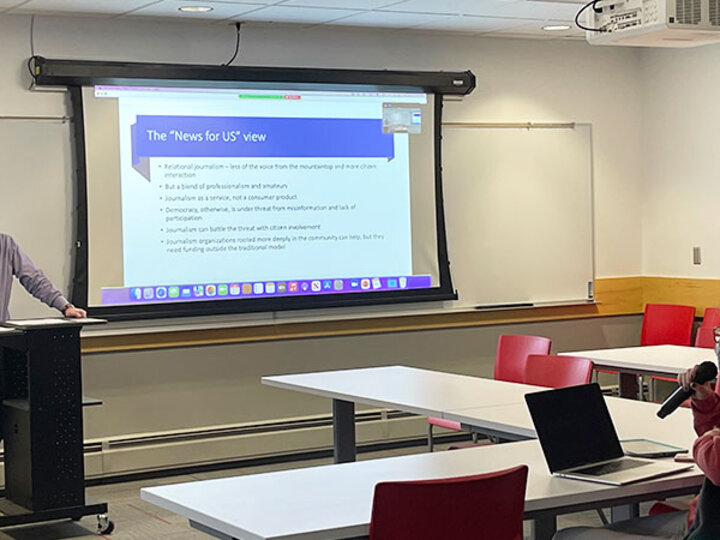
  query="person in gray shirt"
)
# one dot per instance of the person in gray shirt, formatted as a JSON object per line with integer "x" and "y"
{"x": 14, "y": 262}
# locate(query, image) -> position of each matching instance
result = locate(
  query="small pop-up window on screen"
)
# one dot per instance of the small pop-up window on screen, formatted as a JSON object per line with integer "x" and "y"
{"x": 401, "y": 118}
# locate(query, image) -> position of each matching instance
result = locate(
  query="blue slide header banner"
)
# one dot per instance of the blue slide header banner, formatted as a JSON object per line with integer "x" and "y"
{"x": 218, "y": 136}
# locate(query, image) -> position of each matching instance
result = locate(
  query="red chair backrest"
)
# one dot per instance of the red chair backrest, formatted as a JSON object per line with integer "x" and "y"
{"x": 512, "y": 353}
{"x": 667, "y": 324}
{"x": 490, "y": 505}
{"x": 711, "y": 317}
{"x": 705, "y": 337}
{"x": 556, "y": 371}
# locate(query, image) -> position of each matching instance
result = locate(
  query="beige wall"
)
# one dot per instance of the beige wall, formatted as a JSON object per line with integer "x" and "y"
{"x": 190, "y": 388}
{"x": 518, "y": 80}
{"x": 681, "y": 185}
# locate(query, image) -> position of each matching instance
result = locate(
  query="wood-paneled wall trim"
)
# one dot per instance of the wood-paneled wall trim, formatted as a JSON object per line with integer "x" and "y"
{"x": 701, "y": 293}
{"x": 615, "y": 296}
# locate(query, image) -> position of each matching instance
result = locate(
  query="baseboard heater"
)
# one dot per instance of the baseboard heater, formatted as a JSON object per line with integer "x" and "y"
{"x": 274, "y": 440}
{"x": 248, "y": 429}
{"x": 156, "y": 454}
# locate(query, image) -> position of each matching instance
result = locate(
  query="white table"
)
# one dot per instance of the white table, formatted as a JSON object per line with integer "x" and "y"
{"x": 654, "y": 360}
{"x": 334, "y": 501}
{"x": 632, "y": 419}
{"x": 409, "y": 389}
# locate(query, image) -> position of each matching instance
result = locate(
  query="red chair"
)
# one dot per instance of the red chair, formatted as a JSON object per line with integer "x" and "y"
{"x": 557, "y": 371}
{"x": 662, "y": 507}
{"x": 512, "y": 353}
{"x": 705, "y": 337}
{"x": 510, "y": 358}
{"x": 667, "y": 324}
{"x": 711, "y": 317}
{"x": 490, "y": 504}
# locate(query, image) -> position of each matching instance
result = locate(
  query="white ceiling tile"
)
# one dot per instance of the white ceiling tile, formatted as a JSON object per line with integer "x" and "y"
{"x": 460, "y": 23}
{"x": 454, "y": 7}
{"x": 240, "y": 2}
{"x": 389, "y": 19}
{"x": 355, "y": 4}
{"x": 521, "y": 18}
{"x": 540, "y": 10}
{"x": 290, "y": 14}
{"x": 5, "y": 4}
{"x": 84, "y": 7}
{"x": 424, "y": 6}
{"x": 170, "y": 8}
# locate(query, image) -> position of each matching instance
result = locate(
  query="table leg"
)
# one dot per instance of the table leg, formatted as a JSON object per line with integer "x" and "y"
{"x": 626, "y": 511}
{"x": 628, "y": 385}
{"x": 343, "y": 430}
{"x": 543, "y": 528}
{"x": 210, "y": 531}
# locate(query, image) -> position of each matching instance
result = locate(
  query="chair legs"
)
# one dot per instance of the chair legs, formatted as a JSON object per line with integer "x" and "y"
{"x": 431, "y": 440}
{"x": 612, "y": 390}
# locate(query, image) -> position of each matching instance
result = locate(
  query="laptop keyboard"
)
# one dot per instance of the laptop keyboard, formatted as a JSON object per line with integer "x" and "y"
{"x": 612, "y": 467}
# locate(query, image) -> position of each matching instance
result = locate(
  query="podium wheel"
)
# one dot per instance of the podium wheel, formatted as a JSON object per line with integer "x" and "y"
{"x": 105, "y": 525}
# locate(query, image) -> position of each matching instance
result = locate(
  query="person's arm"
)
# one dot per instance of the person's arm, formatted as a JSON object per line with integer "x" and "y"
{"x": 706, "y": 415}
{"x": 73, "y": 312}
{"x": 706, "y": 412}
{"x": 705, "y": 402}
{"x": 37, "y": 284}
{"x": 706, "y": 452}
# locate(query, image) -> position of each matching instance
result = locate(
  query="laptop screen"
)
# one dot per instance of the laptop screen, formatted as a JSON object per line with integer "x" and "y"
{"x": 574, "y": 426}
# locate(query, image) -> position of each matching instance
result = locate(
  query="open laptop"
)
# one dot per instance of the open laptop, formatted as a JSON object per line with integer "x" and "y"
{"x": 579, "y": 439}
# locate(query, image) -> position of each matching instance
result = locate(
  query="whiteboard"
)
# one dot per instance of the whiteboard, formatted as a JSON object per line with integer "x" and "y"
{"x": 519, "y": 213}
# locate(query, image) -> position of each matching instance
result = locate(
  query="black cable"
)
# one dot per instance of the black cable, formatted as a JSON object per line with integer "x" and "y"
{"x": 238, "y": 27}
{"x": 30, "y": 69}
{"x": 577, "y": 17}
{"x": 32, "y": 47}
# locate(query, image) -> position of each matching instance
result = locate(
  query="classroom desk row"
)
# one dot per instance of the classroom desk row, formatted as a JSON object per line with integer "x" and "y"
{"x": 438, "y": 394}
{"x": 334, "y": 501}
{"x": 653, "y": 361}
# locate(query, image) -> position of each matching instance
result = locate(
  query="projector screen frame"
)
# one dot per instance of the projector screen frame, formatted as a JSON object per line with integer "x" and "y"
{"x": 53, "y": 72}
{"x": 75, "y": 74}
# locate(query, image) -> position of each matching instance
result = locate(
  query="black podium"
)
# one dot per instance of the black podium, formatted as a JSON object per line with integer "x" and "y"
{"x": 42, "y": 423}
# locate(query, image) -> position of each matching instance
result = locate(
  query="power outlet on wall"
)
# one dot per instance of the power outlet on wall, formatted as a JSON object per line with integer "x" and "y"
{"x": 697, "y": 256}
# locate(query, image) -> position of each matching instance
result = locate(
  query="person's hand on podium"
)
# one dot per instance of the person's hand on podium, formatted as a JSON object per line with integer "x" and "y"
{"x": 72, "y": 312}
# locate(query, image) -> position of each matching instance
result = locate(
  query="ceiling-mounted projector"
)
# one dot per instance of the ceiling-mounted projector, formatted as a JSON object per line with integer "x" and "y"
{"x": 654, "y": 23}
